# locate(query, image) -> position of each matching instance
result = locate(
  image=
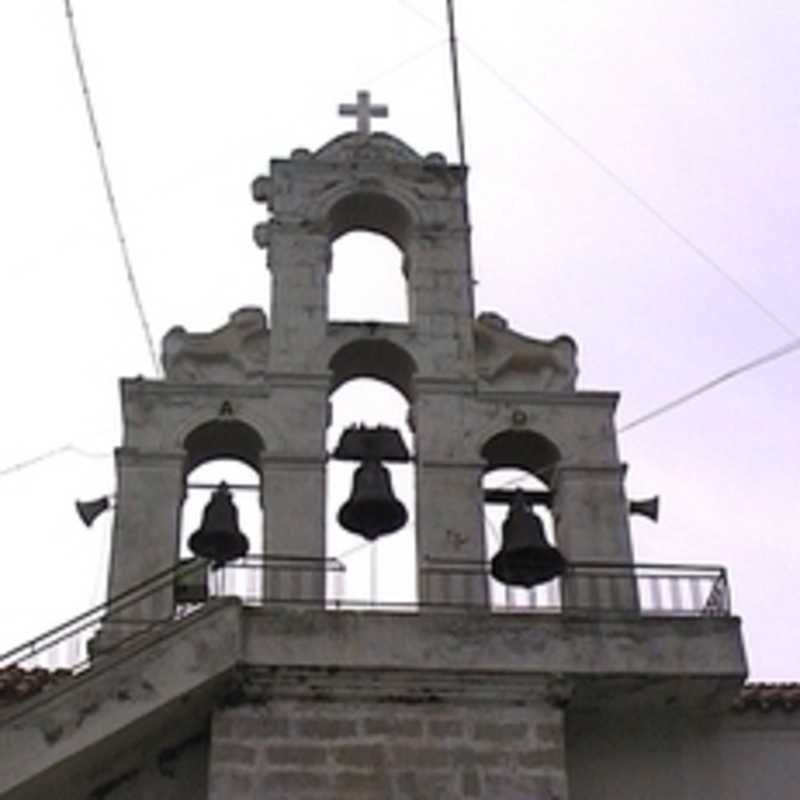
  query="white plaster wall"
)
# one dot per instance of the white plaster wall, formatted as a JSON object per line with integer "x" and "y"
{"x": 683, "y": 756}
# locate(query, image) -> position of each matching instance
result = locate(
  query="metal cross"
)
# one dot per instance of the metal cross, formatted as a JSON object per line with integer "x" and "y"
{"x": 363, "y": 111}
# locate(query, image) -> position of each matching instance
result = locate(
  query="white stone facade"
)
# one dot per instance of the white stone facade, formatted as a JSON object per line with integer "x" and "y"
{"x": 481, "y": 395}
{"x": 298, "y": 700}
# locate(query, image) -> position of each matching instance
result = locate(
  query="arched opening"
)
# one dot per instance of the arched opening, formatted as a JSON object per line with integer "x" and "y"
{"x": 374, "y": 358}
{"x": 383, "y": 571}
{"x": 519, "y": 459}
{"x": 366, "y": 281}
{"x": 522, "y": 450}
{"x": 222, "y": 438}
{"x": 373, "y": 212}
{"x": 229, "y": 451}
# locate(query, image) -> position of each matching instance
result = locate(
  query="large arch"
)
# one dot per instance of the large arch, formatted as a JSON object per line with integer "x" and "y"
{"x": 368, "y": 230}
{"x": 222, "y": 438}
{"x": 374, "y": 358}
{"x": 371, "y": 383}
{"x": 367, "y": 280}
{"x": 519, "y": 459}
{"x": 522, "y": 449}
{"x": 375, "y": 212}
{"x": 229, "y": 450}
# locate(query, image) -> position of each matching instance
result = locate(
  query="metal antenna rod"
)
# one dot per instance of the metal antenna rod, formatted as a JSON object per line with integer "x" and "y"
{"x": 451, "y": 24}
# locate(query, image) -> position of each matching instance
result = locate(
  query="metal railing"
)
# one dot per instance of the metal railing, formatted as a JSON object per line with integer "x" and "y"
{"x": 672, "y": 590}
{"x": 593, "y": 589}
{"x": 260, "y": 580}
{"x": 188, "y": 585}
{"x": 67, "y": 645}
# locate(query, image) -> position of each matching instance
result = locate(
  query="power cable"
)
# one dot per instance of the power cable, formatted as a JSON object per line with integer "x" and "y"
{"x": 110, "y": 197}
{"x": 748, "y": 366}
{"x": 541, "y": 471}
{"x": 419, "y": 54}
{"x": 353, "y": 550}
{"x": 773, "y": 355}
{"x": 47, "y": 455}
{"x": 29, "y": 462}
{"x": 615, "y": 178}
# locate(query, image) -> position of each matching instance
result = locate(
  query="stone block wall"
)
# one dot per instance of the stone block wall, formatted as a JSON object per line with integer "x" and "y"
{"x": 310, "y": 750}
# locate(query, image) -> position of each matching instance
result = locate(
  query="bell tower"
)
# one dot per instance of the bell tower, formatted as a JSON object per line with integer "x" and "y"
{"x": 482, "y": 396}
{"x": 281, "y": 692}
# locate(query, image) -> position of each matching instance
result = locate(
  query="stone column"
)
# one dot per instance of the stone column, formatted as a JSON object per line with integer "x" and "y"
{"x": 299, "y": 261}
{"x": 294, "y": 534}
{"x": 145, "y": 540}
{"x": 440, "y": 297}
{"x": 450, "y": 542}
{"x": 591, "y": 525}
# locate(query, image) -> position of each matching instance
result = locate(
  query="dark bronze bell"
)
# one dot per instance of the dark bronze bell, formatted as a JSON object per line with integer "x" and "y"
{"x": 525, "y": 558}
{"x": 372, "y": 509}
{"x": 219, "y": 539}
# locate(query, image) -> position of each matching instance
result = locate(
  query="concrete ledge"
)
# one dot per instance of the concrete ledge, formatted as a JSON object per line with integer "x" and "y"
{"x": 580, "y": 648}
{"x": 94, "y": 711}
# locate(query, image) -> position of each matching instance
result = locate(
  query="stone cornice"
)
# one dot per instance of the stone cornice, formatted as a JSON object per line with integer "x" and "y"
{"x": 255, "y": 684}
{"x": 601, "y": 399}
{"x": 430, "y": 384}
{"x": 582, "y": 471}
{"x": 284, "y": 461}
{"x": 134, "y": 457}
{"x": 139, "y": 386}
{"x": 313, "y": 380}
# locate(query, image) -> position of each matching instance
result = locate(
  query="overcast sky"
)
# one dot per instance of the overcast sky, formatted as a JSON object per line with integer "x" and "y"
{"x": 693, "y": 105}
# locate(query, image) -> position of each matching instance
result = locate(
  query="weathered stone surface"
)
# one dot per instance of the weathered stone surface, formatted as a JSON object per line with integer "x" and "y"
{"x": 469, "y": 380}
{"x": 313, "y": 705}
{"x": 508, "y": 360}
{"x": 362, "y": 761}
{"x": 73, "y": 729}
{"x": 235, "y": 353}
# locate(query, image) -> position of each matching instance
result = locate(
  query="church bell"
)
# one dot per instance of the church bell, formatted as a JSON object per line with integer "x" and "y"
{"x": 218, "y": 538}
{"x": 372, "y": 510}
{"x": 525, "y": 558}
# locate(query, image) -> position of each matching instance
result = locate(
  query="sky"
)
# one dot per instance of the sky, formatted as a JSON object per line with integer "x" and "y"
{"x": 634, "y": 183}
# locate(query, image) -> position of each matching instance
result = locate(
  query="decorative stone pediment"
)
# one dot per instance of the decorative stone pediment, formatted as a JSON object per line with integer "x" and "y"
{"x": 375, "y": 147}
{"x": 238, "y": 352}
{"x": 506, "y": 359}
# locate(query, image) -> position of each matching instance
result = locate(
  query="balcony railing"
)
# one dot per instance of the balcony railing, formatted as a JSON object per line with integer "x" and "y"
{"x": 586, "y": 589}
{"x": 672, "y": 590}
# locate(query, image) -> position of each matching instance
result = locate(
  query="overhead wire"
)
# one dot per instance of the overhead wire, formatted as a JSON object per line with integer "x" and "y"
{"x": 47, "y": 455}
{"x": 728, "y": 375}
{"x": 748, "y": 366}
{"x": 109, "y": 190}
{"x": 416, "y": 56}
{"x": 547, "y": 118}
{"x": 620, "y": 182}
{"x": 772, "y": 355}
{"x": 30, "y": 462}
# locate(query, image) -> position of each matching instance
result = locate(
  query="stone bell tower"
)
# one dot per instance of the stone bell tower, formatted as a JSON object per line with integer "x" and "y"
{"x": 482, "y": 396}
{"x": 288, "y": 695}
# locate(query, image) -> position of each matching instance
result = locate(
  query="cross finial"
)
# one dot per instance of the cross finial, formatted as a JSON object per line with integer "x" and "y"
{"x": 363, "y": 111}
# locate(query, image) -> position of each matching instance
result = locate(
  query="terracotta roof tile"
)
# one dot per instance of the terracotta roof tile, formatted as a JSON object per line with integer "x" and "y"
{"x": 17, "y": 683}
{"x": 768, "y": 697}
